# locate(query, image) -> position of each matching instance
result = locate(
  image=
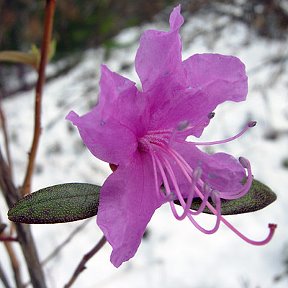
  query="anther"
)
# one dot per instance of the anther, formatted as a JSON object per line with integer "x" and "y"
{"x": 182, "y": 125}
{"x": 252, "y": 124}
{"x": 113, "y": 167}
{"x": 272, "y": 226}
{"x": 215, "y": 195}
{"x": 196, "y": 174}
{"x": 244, "y": 162}
{"x": 211, "y": 115}
{"x": 247, "y": 127}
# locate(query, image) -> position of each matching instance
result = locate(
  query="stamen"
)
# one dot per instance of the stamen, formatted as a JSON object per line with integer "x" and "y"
{"x": 237, "y": 194}
{"x": 245, "y": 163}
{"x": 218, "y": 218}
{"x": 155, "y": 173}
{"x": 193, "y": 177}
{"x": 207, "y": 192}
{"x": 164, "y": 177}
{"x": 247, "y": 127}
{"x": 186, "y": 206}
{"x": 271, "y": 227}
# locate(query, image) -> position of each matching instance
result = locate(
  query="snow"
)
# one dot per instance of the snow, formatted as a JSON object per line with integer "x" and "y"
{"x": 174, "y": 254}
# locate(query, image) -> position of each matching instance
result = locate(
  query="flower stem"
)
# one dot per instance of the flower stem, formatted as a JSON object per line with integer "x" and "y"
{"x": 6, "y": 140}
{"x": 48, "y": 24}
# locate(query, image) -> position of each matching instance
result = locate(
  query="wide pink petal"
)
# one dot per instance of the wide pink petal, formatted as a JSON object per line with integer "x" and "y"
{"x": 105, "y": 137}
{"x": 110, "y": 130}
{"x": 127, "y": 202}
{"x": 159, "y": 53}
{"x": 120, "y": 99}
{"x": 221, "y": 171}
{"x": 210, "y": 80}
{"x": 214, "y": 79}
{"x": 218, "y": 77}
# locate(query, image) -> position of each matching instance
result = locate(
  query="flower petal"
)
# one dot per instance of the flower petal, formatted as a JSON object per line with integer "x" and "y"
{"x": 210, "y": 80}
{"x": 105, "y": 137}
{"x": 221, "y": 171}
{"x": 127, "y": 202}
{"x": 218, "y": 77}
{"x": 110, "y": 130}
{"x": 120, "y": 99}
{"x": 215, "y": 79}
{"x": 159, "y": 53}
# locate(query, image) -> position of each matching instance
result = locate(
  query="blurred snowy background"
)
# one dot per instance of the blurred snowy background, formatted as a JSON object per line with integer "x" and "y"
{"x": 172, "y": 254}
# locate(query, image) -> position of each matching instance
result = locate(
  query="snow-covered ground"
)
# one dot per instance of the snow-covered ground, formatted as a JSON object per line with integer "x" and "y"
{"x": 174, "y": 254}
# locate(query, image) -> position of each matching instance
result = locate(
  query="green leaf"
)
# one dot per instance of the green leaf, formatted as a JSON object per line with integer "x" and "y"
{"x": 57, "y": 204}
{"x": 258, "y": 197}
{"x": 19, "y": 57}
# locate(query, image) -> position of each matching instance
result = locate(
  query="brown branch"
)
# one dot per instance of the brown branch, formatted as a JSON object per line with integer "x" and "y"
{"x": 5, "y": 238}
{"x": 4, "y": 278}
{"x": 15, "y": 264}
{"x": 48, "y": 24}
{"x": 6, "y": 139}
{"x": 81, "y": 266}
{"x": 26, "y": 241}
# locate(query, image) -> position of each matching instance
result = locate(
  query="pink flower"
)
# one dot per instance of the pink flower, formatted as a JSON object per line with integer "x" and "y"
{"x": 144, "y": 133}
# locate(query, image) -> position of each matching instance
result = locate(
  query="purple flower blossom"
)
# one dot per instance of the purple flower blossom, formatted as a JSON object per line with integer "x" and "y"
{"x": 144, "y": 133}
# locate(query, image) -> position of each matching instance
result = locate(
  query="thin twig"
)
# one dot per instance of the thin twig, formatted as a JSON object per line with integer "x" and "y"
{"x": 26, "y": 240}
{"x": 6, "y": 139}
{"x": 5, "y": 238}
{"x": 4, "y": 278}
{"x": 81, "y": 266}
{"x": 14, "y": 264}
{"x": 65, "y": 242}
{"x": 48, "y": 24}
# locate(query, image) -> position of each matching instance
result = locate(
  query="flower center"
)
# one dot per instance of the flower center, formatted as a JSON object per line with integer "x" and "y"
{"x": 154, "y": 139}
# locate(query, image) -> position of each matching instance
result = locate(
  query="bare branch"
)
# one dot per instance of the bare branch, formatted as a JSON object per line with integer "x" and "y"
{"x": 15, "y": 264}
{"x": 6, "y": 140}
{"x": 49, "y": 15}
{"x": 5, "y": 238}
{"x": 11, "y": 195}
{"x": 4, "y": 278}
{"x": 81, "y": 266}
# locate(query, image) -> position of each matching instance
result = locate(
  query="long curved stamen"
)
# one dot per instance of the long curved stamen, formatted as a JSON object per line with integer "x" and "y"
{"x": 155, "y": 172}
{"x": 185, "y": 205}
{"x": 206, "y": 190}
{"x": 243, "y": 161}
{"x": 160, "y": 141}
{"x": 164, "y": 177}
{"x": 217, "y": 223}
{"x": 246, "y": 164}
{"x": 167, "y": 187}
{"x": 272, "y": 227}
{"x": 247, "y": 127}
{"x": 187, "y": 171}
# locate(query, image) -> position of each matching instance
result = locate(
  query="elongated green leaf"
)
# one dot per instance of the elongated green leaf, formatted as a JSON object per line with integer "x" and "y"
{"x": 57, "y": 204}
{"x": 258, "y": 197}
